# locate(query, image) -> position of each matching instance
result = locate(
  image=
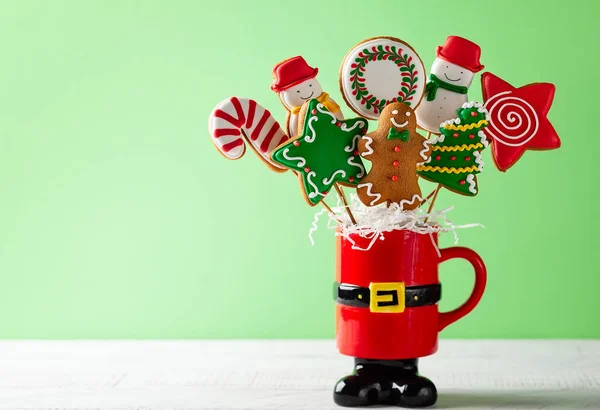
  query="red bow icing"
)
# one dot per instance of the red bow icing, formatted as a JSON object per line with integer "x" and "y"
{"x": 517, "y": 119}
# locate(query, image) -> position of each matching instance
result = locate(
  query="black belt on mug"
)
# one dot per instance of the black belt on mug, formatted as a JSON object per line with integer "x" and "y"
{"x": 388, "y": 297}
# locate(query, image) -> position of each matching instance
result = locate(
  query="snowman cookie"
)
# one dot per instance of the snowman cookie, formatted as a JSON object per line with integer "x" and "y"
{"x": 295, "y": 82}
{"x": 394, "y": 149}
{"x": 450, "y": 77}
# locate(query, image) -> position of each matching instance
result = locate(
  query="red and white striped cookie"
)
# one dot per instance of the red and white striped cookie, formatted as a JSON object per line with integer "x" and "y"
{"x": 236, "y": 119}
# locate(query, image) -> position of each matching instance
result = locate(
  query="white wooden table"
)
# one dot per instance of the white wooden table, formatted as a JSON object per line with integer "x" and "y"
{"x": 144, "y": 375}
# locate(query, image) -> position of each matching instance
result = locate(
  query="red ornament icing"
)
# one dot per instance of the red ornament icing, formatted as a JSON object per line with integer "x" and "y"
{"x": 397, "y": 148}
{"x": 314, "y": 112}
{"x": 351, "y": 179}
{"x": 526, "y": 107}
{"x": 455, "y": 135}
{"x": 467, "y": 158}
{"x": 355, "y": 153}
{"x": 452, "y": 158}
{"x": 394, "y": 177}
{"x": 437, "y": 157}
{"x": 395, "y": 163}
{"x": 296, "y": 143}
{"x": 471, "y": 136}
{"x": 473, "y": 114}
{"x": 462, "y": 182}
{"x": 307, "y": 169}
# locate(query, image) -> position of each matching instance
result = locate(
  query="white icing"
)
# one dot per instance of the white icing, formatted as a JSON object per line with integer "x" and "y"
{"x": 369, "y": 186}
{"x": 382, "y": 77}
{"x": 359, "y": 124}
{"x": 472, "y": 184}
{"x": 311, "y": 138}
{"x": 316, "y": 192}
{"x": 356, "y": 164}
{"x": 511, "y": 113}
{"x": 298, "y": 94}
{"x": 411, "y": 201}
{"x": 352, "y": 147}
{"x": 483, "y": 138}
{"x": 404, "y": 124}
{"x": 323, "y": 110}
{"x": 408, "y": 113}
{"x": 227, "y": 106}
{"x": 478, "y": 161}
{"x": 301, "y": 160}
{"x": 368, "y": 146}
{"x": 339, "y": 171}
{"x": 426, "y": 144}
{"x": 394, "y": 112}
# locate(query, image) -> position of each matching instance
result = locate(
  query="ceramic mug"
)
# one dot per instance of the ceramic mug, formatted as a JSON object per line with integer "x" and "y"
{"x": 386, "y": 306}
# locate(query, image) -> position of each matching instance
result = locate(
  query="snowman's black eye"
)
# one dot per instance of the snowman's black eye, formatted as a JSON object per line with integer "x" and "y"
{"x": 298, "y": 91}
{"x": 462, "y": 72}
{"x": 310, "y": 85}
{"x": 447, "y": 66}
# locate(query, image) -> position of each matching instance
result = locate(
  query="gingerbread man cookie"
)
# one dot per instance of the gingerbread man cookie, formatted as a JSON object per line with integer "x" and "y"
{"x": 394, "y": 149}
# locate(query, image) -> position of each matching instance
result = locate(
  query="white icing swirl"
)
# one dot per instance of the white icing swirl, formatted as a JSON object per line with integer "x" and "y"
{"x": 360, "y": 124}
{"x": 351, "y": 148}
{"x": 316, "y": 192}
{"x": 323, "y": 110}
{"x": 311, "y": 138}
{"x": 513, "y": 121}
{"x": 368, "y": 146}
{"x": 369, "y": 186}
{"x": 350, "y": 161}
{"x": 330, "y": 180}
{"x": 301, "y": 160}
{"x": 472, "y": 184}
{"x": 478, "y": 160}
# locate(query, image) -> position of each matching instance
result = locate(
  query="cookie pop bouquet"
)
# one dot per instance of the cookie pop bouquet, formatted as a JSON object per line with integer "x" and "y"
{"x": 387, "y": 229}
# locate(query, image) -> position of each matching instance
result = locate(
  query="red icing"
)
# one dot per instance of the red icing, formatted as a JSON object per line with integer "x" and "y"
{"x": 338, "y": 123}
{"x": 471, "y": 136}
{"x": 437, "y": 157}
{"x": 463, "y": 182}
{"x": 314, "y": 112}
{"x": 394, "y": 177}
{"x": 395, "y": 163}
{"x": 307, "y": 169}
{"x": 296, "y": 143}
{"x": 539, "y": 96}
{"x": 473, "y": 113}
{"x": 455, "y": 135}
{"x": 397, "y": 148}
{"x": 351, "y": 179}
{"x": 355, "y": 153}
{"x": 467, "y": 158}
{"x": 452, "y": 158}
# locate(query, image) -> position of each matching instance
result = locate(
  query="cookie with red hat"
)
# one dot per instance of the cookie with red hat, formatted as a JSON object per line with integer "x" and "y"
{"x": 295, "y": 82}
{"x": 450, "y": 76}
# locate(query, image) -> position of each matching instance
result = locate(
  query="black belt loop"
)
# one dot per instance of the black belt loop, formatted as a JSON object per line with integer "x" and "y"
{"x": 414, "y": 296}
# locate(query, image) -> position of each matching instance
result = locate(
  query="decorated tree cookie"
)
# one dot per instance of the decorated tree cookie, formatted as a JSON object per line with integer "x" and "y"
{"x": 449, "y": 80}
{"x": 324, "y": 152}
{"x": 235, "y": 121}
{"x": 394, "y": 148}
{"x": 456, "y": 153}
{"x": 295, "y": 82}
{"x": 518, "y": 119}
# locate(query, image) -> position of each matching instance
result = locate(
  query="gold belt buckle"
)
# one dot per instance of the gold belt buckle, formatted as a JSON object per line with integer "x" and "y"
{"x": 387, "y": 297}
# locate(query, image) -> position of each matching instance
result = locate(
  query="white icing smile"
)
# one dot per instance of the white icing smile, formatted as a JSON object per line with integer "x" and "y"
{"x": 311, "y": 94}
{"x": 404, "y": 124}
{"x": 450, "y": 79}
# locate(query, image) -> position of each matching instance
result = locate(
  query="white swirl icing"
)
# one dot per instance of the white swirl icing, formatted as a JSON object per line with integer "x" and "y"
{"x": 478, "y": 160}
{"x": 316, "y": 192}
{"x": 301, "y": 160}
{"x": 409, "y": 201}
{"x": 368, "y": 146}
{"x": 351, "y": 148}
{"x": 360, "y": 124}
{"x": 472, "y": 184}
{"x": 350, "y": 161}
{"x": 311, "y": 138}
{"x": 369, "y": 186}
{"x": 323, "y": 110}
{"x": 330, "y": 180}
{"x": 404, "y": 124}
{"x": 511, "y": 114}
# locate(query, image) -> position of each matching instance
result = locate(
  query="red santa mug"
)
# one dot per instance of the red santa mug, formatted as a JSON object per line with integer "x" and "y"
{"x": 386, "y": 305}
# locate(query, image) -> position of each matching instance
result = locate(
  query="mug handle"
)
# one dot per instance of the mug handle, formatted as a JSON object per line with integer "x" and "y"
{"x": 447, "y": 318}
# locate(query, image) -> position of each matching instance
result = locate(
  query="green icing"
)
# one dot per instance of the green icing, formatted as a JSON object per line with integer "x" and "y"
{"x": 461, "y": 182}
{"x": 402, "y": 135}
{"x": 325, "y": 152}
{"x": 433, "y": 83}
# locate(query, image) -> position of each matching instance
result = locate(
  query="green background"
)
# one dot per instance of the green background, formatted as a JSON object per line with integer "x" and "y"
{"x": 119, "y": 219}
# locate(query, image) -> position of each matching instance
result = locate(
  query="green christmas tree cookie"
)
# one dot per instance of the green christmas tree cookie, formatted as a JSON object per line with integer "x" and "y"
{"x": 456, "y": 153}
{"x": 324, "y": 152}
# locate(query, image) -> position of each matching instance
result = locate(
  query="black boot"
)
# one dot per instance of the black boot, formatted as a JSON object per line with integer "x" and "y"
{"x": 391, "y": 382}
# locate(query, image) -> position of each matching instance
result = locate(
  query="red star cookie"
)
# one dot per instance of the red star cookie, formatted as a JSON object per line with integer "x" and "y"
{"x": 517, "y": 119}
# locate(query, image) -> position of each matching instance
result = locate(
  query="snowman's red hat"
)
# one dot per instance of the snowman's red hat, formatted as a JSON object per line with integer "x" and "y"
{"x": 462, "y": 52}
{"x": 291, "y": 72}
